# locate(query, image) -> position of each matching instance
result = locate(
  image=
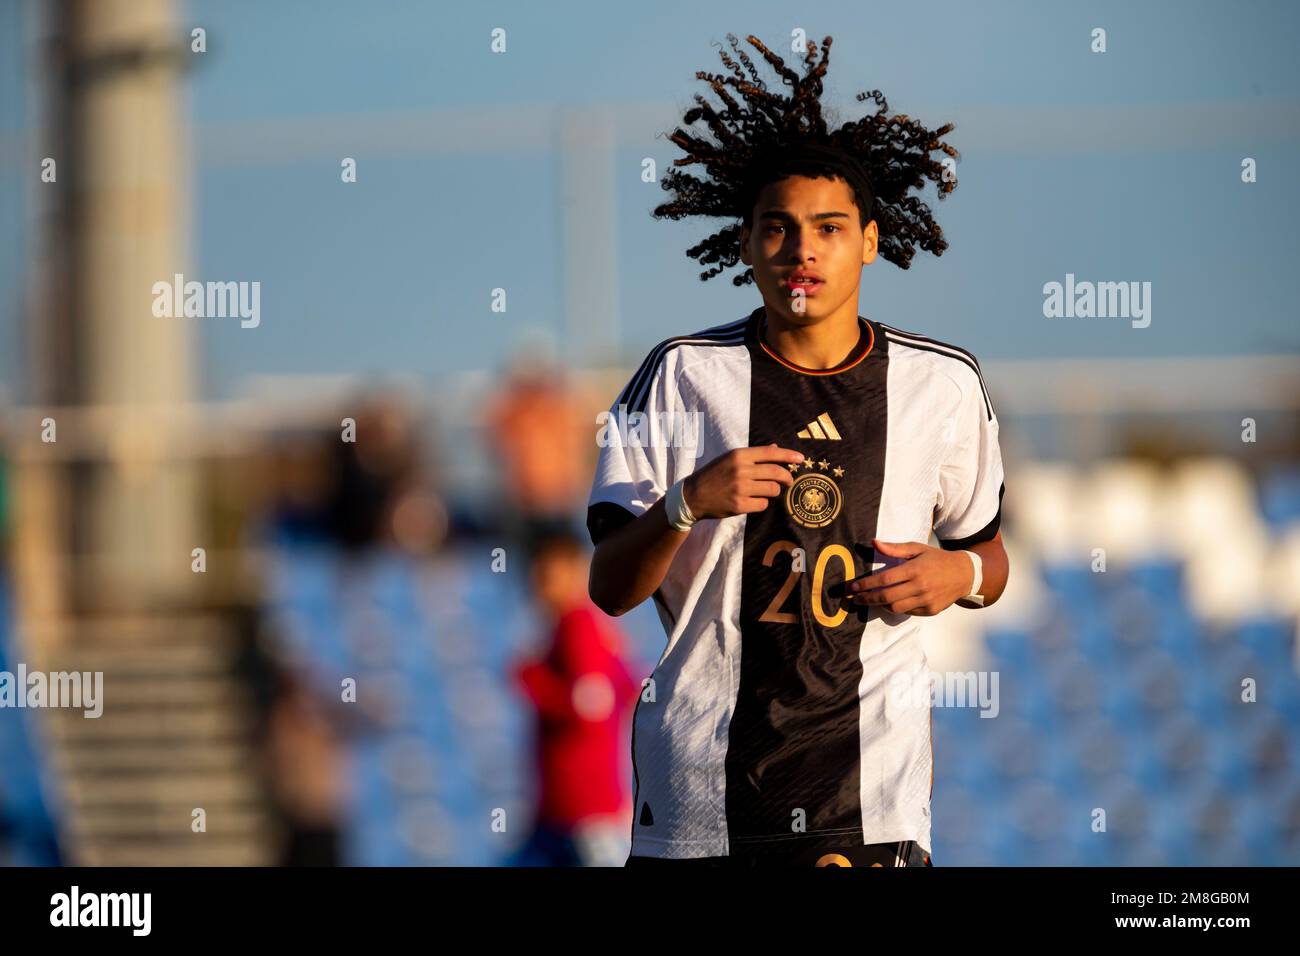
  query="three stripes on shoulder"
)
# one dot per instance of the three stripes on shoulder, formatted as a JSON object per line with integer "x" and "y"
{"x": 926, "y": 344}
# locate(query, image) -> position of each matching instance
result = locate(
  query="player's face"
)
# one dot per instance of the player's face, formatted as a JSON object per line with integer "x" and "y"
{"x": 807, "y": 247}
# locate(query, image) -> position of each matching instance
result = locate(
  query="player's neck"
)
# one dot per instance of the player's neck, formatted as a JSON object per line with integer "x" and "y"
{"x": 824, "y": 344}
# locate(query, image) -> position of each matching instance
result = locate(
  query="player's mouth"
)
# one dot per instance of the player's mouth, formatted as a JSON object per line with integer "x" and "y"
{"x": 806, "y": 282}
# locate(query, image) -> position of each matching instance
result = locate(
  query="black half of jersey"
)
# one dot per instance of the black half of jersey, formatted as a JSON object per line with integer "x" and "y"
{"x": 794, "y": 751}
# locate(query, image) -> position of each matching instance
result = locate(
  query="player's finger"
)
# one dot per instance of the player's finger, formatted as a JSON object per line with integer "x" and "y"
{"x": 900, "y": 549}
{"x": 750, "y": 505}
{"x": 888, "y": 595}
{"x": 773, "y": 452}
{"x": 771, "y": 473}
{"x": 915, "y": 605}
{"x": 883, "y": 578}
{"x": 763, "y": 489}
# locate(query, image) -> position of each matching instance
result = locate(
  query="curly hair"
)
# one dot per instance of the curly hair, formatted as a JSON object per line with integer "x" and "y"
{"x": 894, "y": 151}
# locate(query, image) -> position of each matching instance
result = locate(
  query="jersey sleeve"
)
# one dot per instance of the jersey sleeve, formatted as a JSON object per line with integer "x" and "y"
{"x": 971, "y": 485}
{"x": 632, "y": 466}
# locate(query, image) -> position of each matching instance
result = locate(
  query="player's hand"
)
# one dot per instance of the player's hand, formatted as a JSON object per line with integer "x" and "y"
{"x": 740, "y": 482}
{"x": 929, "y": 580}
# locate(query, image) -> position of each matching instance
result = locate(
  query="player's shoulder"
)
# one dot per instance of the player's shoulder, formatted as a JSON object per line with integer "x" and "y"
{"x": 935, "y": 355}
{"x": 666, "y": 356}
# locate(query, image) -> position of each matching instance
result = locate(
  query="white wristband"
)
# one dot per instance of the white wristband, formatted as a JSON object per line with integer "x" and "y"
{"x": 678, "y": 511}
{"x": 974, "y": 596}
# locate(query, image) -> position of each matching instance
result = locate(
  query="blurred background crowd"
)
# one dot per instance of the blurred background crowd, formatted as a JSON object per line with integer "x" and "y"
{"x": 333, "y": 568}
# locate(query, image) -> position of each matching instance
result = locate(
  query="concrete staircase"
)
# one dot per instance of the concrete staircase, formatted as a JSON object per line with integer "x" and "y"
{"x": 176, "y": 734}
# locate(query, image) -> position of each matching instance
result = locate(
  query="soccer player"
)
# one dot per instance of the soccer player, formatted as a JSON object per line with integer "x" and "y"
{"x": 772, "y": 482}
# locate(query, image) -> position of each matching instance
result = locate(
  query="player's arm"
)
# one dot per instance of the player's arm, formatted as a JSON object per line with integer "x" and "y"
{"x": 549, "y": 691}
{"x": 996, "y": 567}
{"x": 630, "y": 563}
{"x": 932, "y": 579}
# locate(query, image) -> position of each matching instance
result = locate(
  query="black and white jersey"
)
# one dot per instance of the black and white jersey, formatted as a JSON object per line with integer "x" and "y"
{"x": 770, "y": 717}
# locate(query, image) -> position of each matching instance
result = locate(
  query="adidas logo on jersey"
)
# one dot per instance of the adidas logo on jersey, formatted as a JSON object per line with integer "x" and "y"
{"x": 820, "y": 427}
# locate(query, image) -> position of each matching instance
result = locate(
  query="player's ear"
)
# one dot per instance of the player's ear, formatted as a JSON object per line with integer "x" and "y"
{"x": 870, "y": 243}
{"x": 744, "y": 244}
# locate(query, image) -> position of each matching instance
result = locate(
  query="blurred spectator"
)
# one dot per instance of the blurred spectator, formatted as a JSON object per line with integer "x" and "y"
{"x": 581, "y": 689}
{"x": 302, "y": 482}
{"x": 372, "y": 473}
{"x": 538, "y": 431}
{"x": 372, "y": 491}
{"x": 307, "y": 775}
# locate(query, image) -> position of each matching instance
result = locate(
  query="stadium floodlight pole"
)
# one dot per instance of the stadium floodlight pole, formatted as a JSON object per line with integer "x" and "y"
{"x": 120, "y": 223}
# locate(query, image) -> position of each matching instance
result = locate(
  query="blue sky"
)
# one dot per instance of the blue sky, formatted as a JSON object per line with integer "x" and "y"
{"x": 1122, "y": 166}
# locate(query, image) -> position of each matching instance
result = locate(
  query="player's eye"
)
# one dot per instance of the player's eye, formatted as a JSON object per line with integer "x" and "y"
{"x": 831, "y": 227}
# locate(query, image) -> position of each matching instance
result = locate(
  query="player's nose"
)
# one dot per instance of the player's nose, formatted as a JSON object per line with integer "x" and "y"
{"x": 803, "y": 252}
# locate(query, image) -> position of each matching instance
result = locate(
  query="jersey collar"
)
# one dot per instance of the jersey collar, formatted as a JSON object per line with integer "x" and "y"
{"x": 866, "y": 342}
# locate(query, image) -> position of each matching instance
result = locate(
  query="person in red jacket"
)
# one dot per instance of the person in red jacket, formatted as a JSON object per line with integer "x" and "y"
{"x": 582, "y": 691}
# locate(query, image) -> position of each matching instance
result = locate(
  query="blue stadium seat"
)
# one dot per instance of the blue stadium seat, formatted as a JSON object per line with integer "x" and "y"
{"x": 1226, "y": 762}
{"x": 1161, "y": 579}
{"x": 1271, "y": 639}
{"x": 1070, "y": 583}
{"x": 1279, "y": 497}
{"x": 28, "y": 835}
